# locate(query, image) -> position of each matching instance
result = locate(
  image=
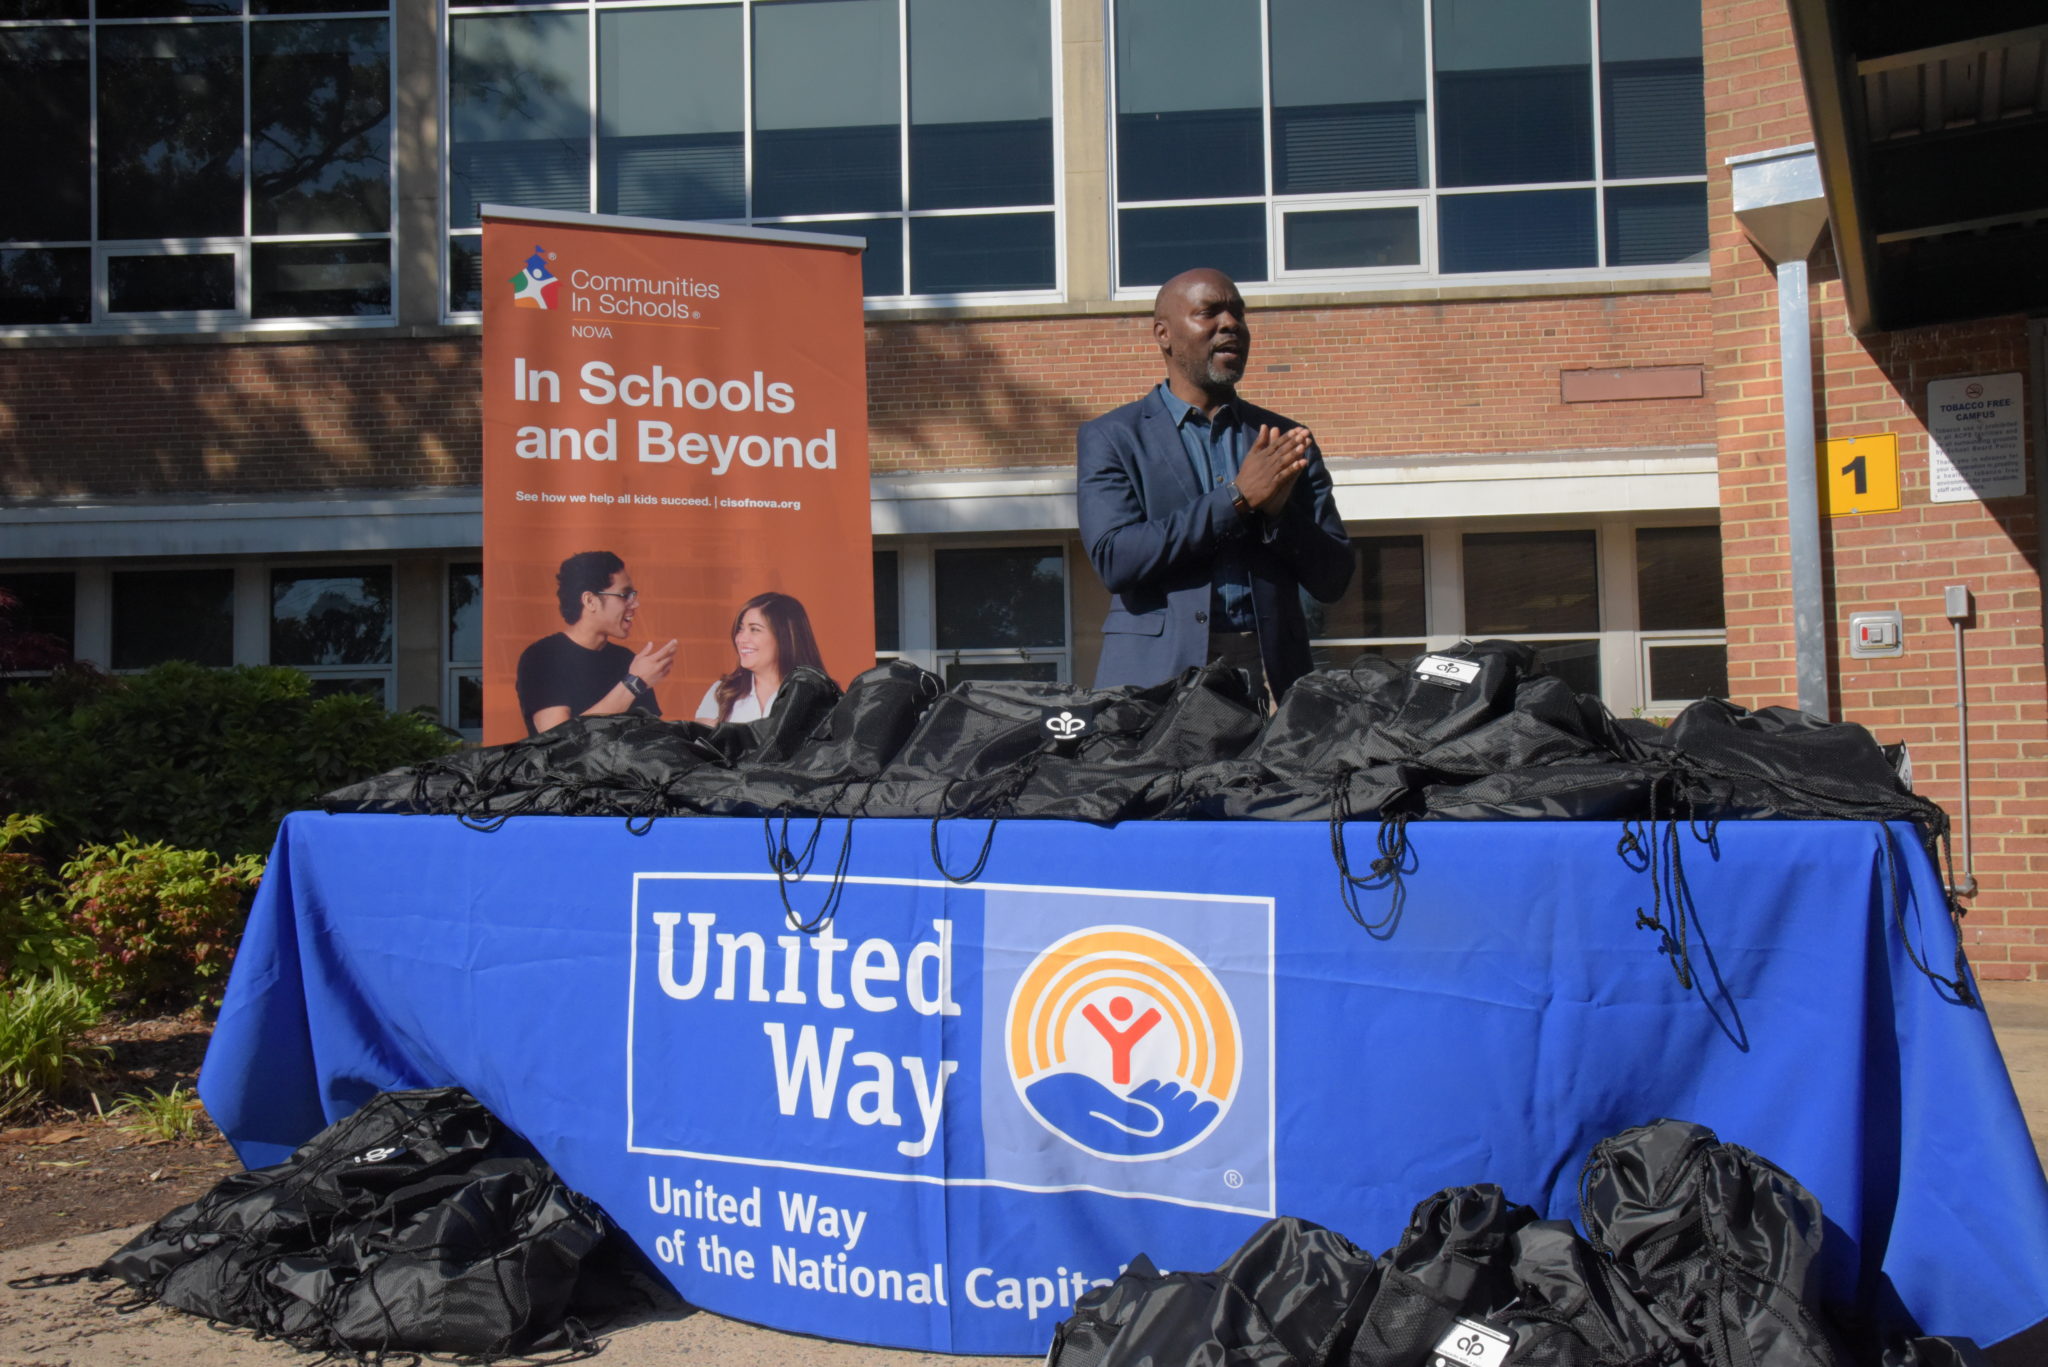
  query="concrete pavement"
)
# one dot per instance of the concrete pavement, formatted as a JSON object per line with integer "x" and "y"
{"x": 69, "y": 1327}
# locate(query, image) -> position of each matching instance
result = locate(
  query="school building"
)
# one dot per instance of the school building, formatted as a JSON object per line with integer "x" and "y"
{"x": 1701, "y": 345}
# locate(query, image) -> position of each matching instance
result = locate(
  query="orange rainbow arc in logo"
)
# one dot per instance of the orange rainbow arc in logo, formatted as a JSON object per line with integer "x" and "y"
{"x": 1109, "y": 1000}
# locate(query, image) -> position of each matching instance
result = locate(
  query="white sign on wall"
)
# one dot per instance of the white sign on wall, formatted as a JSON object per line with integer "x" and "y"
{"x": 1976, "y": 443}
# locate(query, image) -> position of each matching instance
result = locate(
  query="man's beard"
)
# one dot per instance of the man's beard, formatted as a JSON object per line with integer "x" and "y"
{"x": 1224, "y": 373}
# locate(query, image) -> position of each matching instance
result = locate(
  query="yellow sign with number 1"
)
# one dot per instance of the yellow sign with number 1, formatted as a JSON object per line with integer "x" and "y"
{"x": 1860, "y": 475}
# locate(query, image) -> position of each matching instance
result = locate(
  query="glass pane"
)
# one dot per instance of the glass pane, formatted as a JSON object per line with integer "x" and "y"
{"x": 320, "y": 279}
{"x": 1688, "y": 672}
{"x": 38, "y": 618}
{"x": 671, "y": 114}
{"x": 1678, "y": 579}
{"x": 313, "y": 7}
{"x": 881, "y": 265}
{"x": 42, "y": 9}
{"x": 1521, "y": 582}
{"x": 171, "y": 284}
{"x": 980, "y": 103}
{"x": 1029, "y": 671}
{"x": 1514, "y": 91}
{"x": 465, "y": 274}
{"x": 173, "y": 615}
{"x": 1154, "y": 245}
{"x": 984, "y": 252}
{"x": 1653, "y": 111}
{"x": 1390, "y": 587}
{"x": 1352, "y": 239}
{"x": 46, "y": 286}
{"x": 465, "y": 613}
{"x": 45, "y": 106}
{"x": 1576, "y": 662}
{"x": 1348, "y": 95}
{"x": 827, "y": 107}
{"x": 888, "y": 614}
{"x": 327, "y": 685}
{"x": 1002, "y": 596}
{"x": 1535, "y": 230}
{"x": 518, "y": 114}
{"x": 1189, "y": 104}
{"x": 320, "y": 126}
{"x": 1651, "y": 225}
{"x": 330, "y": 617}
{"x": 170, "y": 110}
{"x": 469, "y": 703}
{"x": 165, "y": 9}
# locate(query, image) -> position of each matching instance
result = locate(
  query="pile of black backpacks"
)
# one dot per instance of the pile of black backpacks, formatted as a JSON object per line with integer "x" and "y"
{"x": 1699, "y": 1254}
{"x": 1474, "y": 733}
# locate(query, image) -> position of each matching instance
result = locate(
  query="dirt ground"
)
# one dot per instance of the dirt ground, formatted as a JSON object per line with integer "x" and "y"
{"x": 72, "y": 1170}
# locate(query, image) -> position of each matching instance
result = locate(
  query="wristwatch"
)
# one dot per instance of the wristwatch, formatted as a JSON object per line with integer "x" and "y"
{"x": 1238, "y": 500}
{"x": 636, "y": 685}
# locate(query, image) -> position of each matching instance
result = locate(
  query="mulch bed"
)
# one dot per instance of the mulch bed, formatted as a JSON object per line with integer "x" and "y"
{"x": 69, "y": 1169}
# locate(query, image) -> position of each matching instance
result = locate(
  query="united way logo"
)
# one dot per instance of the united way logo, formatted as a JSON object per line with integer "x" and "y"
{"x": 535, "y": 287}
{"x": 1124, "y": 1044}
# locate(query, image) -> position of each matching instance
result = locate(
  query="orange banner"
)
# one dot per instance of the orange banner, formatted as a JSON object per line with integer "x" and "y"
{"x": 675, "y": 469}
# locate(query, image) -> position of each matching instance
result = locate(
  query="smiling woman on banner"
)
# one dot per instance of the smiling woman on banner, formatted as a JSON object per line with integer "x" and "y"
{"x": 583, "y": 671}
{"x": 771, "y": 636}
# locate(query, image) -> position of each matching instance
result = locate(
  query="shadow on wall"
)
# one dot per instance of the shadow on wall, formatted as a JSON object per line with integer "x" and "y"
{"x": 952, "y": 396}
{"x": 260, "y": 417}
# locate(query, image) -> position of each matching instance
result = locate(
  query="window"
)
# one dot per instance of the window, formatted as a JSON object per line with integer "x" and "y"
{"x": 1678, "y": 591}
{"x": 463, "y": 707}
{"x": 38, "y": 619}
{"x": 194, "y": 165}
{"x": 1538, "y": 586}
{"x": 888, "y": 606}
{"x": 925, "y": 126}
{"x": 335, "y": 625}
{"x": 1001, "y": 613}
{"x": 166, "y": 614}
{"x": 1385, "y": 612}
{"x": 1344, "y": 140}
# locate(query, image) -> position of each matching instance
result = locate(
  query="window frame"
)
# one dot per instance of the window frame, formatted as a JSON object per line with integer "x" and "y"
{"x": 1624, "y": 646}
{"x": 918, "y": 595}
{"x": 1279, "y": 280}
{"x": 242, "y": 318}
{"x": 843, "y": 223}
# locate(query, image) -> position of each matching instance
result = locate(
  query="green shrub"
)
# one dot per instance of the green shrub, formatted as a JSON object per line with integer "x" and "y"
{"x": 34, "y": 938}
{"x": 42, "y": 1039}
{"x": 163, "y": 922}
{"x": 202, "y": 759}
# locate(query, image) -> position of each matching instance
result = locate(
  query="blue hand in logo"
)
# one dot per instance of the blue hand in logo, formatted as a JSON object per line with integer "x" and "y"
{"x": 1157, "y": 1116}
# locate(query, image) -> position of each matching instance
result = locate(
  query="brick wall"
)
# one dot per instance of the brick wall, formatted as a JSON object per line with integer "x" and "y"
{"x": 1374, "y": 381}
{"x": 1387, "y": 380}
{"x": 1902, "y": 560}
{"x": 216, "y": 419}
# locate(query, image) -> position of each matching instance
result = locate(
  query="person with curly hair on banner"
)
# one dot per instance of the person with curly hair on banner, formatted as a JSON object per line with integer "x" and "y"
{"x": 771, "y": 636}
{"x": 583, "y": 671}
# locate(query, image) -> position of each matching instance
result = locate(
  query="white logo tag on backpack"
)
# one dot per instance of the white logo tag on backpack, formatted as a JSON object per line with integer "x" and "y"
{"x": 1445, "y": 672}
{"x": 1472, "y": 1344}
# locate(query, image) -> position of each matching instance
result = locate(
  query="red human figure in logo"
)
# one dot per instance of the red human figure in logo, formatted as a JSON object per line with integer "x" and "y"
{"x": 1120, "y": 1040}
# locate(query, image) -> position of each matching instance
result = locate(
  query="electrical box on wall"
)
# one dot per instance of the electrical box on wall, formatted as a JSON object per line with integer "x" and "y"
{"x": 1876, "y": 635}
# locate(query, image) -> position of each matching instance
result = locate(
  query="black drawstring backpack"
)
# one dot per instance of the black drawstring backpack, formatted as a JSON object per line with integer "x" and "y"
{"x": 419, "y": 1223}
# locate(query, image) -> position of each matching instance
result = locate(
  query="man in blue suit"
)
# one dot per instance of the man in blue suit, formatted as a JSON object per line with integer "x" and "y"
{"x": 1204, "y": 514}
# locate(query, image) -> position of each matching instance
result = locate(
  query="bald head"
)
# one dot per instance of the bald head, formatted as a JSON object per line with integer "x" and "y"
{"x": 1198, "y": 320}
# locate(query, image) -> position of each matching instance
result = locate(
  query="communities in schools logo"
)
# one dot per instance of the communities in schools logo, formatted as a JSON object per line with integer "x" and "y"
{"x": 1124, "y": 1044}
{"x": 536, "y": 286}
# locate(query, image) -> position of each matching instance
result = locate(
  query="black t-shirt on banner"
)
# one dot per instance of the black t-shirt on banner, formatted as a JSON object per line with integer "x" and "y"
{"x": 556, "y": 672}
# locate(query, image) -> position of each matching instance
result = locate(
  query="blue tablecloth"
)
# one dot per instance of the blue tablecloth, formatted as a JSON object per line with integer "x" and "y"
{"x": 935, "y": 1124}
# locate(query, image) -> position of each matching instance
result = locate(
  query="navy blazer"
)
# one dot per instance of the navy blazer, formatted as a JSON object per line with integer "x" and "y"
{"x": 1152, "y": 533}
